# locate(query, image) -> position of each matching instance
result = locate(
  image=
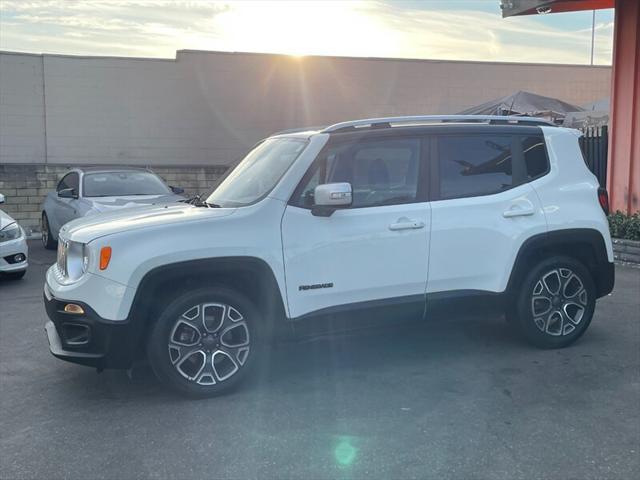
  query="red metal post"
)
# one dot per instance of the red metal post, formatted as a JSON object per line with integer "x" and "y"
{"x": 624, "y": 142}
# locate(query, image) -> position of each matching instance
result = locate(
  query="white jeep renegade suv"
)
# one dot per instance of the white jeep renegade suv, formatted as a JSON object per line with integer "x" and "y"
{"x": 388, "y": 217}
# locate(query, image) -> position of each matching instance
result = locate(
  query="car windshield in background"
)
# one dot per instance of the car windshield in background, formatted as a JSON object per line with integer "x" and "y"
{"x": 257, "y": 174}
{"x": 120, "y": 184}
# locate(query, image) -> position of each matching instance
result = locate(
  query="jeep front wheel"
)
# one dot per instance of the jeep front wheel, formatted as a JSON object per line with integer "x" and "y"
{"x": 204, "y": 342}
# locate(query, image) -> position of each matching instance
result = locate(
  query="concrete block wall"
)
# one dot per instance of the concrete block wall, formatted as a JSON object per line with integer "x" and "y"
{"x": 25, "y": 187}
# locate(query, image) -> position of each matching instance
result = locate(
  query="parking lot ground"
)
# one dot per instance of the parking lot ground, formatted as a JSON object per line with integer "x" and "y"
{"x": 454, "y": 398}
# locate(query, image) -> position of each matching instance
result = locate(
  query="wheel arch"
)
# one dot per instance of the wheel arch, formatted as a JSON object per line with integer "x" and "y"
{"x": 250, "y": 276}
{"x": 583, "y": 244}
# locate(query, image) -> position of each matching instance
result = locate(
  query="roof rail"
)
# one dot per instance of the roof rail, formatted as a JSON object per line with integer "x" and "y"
{"x": 296, "y": 130}
{"x": 386, "y": 122}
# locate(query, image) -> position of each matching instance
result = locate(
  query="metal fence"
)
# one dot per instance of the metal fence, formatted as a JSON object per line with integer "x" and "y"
{"x": 594, "y": 144}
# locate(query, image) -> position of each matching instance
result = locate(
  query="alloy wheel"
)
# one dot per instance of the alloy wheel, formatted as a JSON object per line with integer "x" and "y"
{"x": 45, "y": 230}
{"x": 209, "y": 343}
{"x": 558, "y": 302}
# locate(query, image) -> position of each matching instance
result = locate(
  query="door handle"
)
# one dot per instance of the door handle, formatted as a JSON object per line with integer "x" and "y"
{"x": 516, "y": 211}
{"x": 406, "y": 225}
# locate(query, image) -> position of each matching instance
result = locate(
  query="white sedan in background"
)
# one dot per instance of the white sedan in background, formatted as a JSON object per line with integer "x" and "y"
{"x": 89, "y": 191}
{"x": 13, "y": 247}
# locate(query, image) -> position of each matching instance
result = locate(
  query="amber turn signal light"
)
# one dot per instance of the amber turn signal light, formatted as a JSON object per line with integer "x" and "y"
{"x": 73, "y": 308}
{"x": 105, "y": 257}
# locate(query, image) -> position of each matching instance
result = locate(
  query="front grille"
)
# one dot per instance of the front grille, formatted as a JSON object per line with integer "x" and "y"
{"x": 63, "y": 249}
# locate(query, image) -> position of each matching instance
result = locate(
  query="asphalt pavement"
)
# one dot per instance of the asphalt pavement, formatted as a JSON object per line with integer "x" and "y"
{"x": 451, "y": 398}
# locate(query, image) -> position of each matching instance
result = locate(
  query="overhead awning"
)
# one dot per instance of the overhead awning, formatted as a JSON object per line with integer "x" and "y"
{"x": 524, "y": 103}
{"x": 512, "y": 8}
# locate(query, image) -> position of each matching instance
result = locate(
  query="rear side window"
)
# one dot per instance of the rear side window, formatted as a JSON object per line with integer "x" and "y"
{"x": 535, "y": 157}
{"x": 474, "y": 165}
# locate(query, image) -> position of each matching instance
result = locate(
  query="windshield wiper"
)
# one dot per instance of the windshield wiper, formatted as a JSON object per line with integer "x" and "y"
{"x": 197, "y": 201}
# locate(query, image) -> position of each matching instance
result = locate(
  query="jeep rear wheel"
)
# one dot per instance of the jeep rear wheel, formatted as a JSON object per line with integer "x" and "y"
{"x": 556, "y": 303}
{"x": 204, "y": 342}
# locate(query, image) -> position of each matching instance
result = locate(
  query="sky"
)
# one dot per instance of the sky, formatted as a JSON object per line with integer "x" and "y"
{"x": 426, "y": 29}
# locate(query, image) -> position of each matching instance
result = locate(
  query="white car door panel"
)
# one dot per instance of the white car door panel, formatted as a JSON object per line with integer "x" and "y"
{"x": 355, "y": 255}
{"x": 474, "y": 240}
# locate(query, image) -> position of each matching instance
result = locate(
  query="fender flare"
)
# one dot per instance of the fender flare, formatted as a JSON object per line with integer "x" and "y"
{"x": 186, "y": 274}
{"x": 586, "y": 244}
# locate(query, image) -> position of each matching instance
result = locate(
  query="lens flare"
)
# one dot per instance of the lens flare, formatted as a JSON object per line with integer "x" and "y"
{"x": 345, "y": 453}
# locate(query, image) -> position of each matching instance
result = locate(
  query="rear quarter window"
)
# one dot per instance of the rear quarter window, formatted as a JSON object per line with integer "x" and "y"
{"x": 535, "y": 157}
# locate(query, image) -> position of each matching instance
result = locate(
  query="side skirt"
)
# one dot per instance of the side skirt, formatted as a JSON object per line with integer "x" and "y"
{"x": 464, "y": 303}
{"x": 390, "y": 311}
{"x": 360, "y": 315}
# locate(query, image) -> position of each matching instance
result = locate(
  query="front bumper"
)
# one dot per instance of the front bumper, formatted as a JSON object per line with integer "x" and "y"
{"x": 13, "y": 256}
{"x": 88, "y": 339}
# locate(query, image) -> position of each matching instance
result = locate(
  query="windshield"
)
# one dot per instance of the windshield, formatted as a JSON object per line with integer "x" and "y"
{"x": 115, "y": 184}
{"x": 257, "y": 174}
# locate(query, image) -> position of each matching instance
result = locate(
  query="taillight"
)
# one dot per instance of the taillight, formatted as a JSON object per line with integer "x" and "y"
{"x": 603, "y": 198}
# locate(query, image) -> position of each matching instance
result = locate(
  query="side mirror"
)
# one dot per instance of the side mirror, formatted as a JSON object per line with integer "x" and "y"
{"x": 2, "y": 199}
{"x": 67, "y": 193}
{"x": 176, "y": 190}
{"x": 329, "y": 197}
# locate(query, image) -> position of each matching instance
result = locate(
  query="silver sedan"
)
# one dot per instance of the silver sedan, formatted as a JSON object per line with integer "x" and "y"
{"x": 13, "y": 247}
{"x": 90, "y": 191}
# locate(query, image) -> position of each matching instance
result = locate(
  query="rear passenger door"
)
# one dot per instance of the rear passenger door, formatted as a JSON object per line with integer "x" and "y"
{"x": 483, "y": 207}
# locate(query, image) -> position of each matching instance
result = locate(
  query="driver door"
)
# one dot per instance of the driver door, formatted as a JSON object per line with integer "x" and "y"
{"x": 373, "y": 253}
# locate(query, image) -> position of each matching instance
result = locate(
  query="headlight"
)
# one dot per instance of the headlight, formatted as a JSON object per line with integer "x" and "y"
{"x": 10, "y": 232}
{"x": 85, "y": 258}
{"x": 73, "y": 259}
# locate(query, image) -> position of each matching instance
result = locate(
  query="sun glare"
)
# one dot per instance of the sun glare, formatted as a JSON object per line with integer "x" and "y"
{"x": 306, "y": 28}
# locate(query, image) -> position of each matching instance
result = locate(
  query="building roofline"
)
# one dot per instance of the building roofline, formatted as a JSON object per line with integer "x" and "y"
{"x": 87, "y": 57}
{"x": 332, "y": 57}
{"x": 427, "y": 60}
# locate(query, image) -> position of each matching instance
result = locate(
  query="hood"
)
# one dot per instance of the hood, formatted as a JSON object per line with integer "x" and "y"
{"x": 107, "y": 204}
{"x": 86, "y": 229}
{"x": 5, "y": 219}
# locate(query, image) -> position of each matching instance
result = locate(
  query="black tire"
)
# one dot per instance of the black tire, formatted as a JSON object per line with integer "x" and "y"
{"x": 166, "y": 358}
{"x": 568, "y": 316}
{"x": 15, "y": 275}
{"x": 47, "y": 239}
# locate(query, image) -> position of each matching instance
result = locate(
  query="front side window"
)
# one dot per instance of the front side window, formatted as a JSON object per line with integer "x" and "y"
{"x": 381, "y": 172}
{"x": 257, "y": 174}
{"x": 70, "y": 180}
{"x": 474, "y": 165}
{"x": 112, "y": 184}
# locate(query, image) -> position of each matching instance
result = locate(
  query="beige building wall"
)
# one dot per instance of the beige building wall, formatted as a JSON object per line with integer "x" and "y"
{"x": 22, "y": 138}
{"x": 207, "y": 108}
